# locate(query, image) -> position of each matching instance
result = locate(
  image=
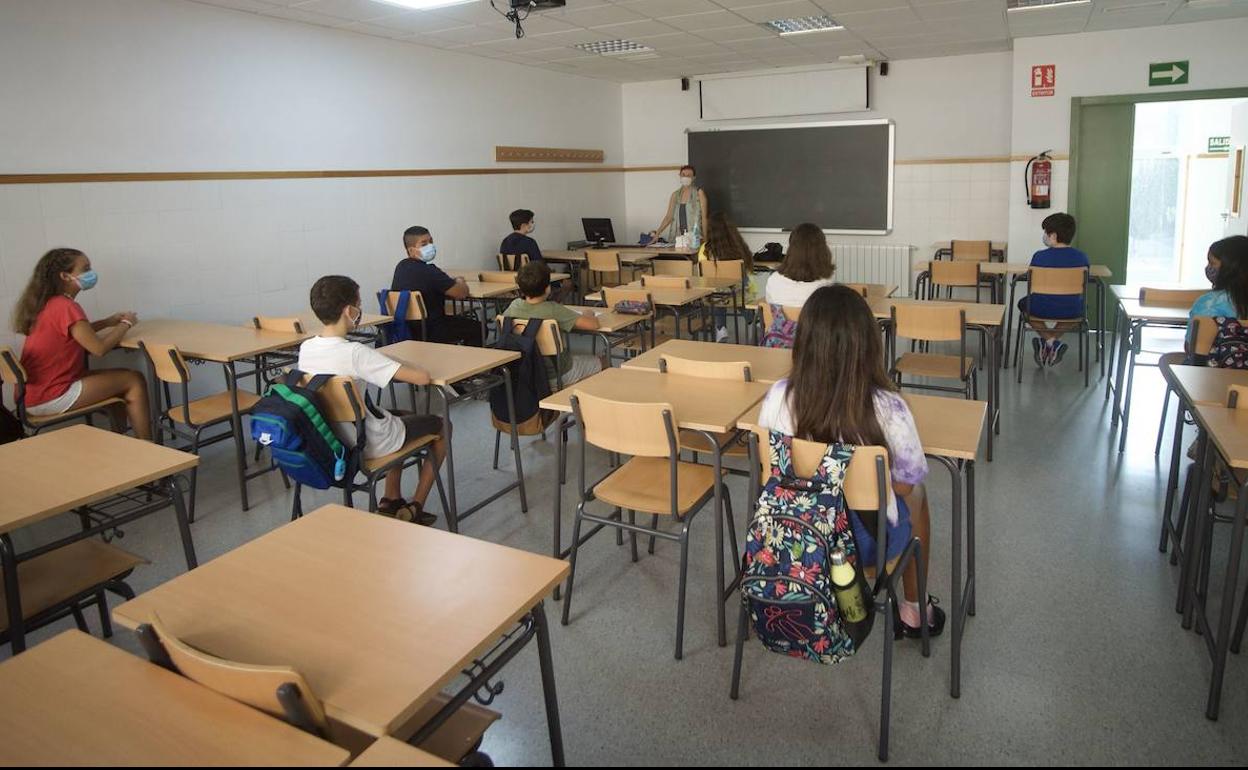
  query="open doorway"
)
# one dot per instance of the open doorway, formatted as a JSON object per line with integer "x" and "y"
{"x": 1181, "y": 167}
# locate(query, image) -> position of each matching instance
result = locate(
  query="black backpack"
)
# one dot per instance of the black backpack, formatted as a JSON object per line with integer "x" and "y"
{"x": 528, "y": 380}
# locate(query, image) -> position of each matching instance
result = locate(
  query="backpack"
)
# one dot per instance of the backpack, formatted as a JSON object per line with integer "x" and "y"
{"x": 782, "y": 330}
{"x": 10, "y": 428}
{"x": 785, "y": 583}
{"x": 1230, "y": 345}
{"x": 528, "y": 381}
{"x": 398, "y": 329}
{"x": 302, "y": 444}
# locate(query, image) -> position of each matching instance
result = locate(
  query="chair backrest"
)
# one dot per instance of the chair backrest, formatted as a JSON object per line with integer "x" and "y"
{"x": 1237, "y": 397}
{"x": 271, "y": 689}
{"x": 673, "y": 267}
{"x": 859, "y": 288}
{"x": 1206, "y": 333}
{"x": 1058, "y": 281}
{"x": 718, "y": 370}
{"x": 512, "y": 261}
{"x": 497, "y": 276}
{"x": 549, "y": 340}
{"x": 976, "y": 251}
{"x": 612, "y": 295}
{"x": 931, "y": 323}
{"x": 1185, "y": 297}
{"x": 958, "y": 273}
{"x": 415, "y": 306}
{"x": 275, "y": 324}
{"x": 167, "y": 363}
{"x": 726, "y": 268}
{"x": 665, "y": 281}
{"x": 11, "y": 369}
{"x": 861, "y": 487}
{"x": 790, "y": 313}
{"x": 640, "y": 430}
{"x": 335, "y": 400}
{"x": 603, "y": 260}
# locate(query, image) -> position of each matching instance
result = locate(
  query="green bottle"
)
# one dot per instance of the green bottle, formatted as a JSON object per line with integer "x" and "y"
{"x": 848, "y": 593}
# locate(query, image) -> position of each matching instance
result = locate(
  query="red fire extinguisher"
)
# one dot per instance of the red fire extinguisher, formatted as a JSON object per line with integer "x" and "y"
{"x": 1036, "y": 180}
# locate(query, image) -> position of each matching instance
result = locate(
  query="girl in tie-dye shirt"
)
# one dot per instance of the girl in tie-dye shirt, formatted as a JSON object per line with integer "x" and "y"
{"x": 838, "y": 391}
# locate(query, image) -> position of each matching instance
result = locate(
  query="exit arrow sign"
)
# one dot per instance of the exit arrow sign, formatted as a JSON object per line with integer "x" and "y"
{"x": 1169, "y": 73}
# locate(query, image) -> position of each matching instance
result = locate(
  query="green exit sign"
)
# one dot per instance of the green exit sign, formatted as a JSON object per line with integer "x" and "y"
{"x": 1219, "y": 144}
{"x": 1169, "y": 73}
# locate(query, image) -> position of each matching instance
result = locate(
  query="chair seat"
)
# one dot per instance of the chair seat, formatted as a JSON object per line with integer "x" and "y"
{"x": 38, "y": 420}
{"x": 64, "y": 573}
{"x": 373, "y": 463}
{"x": 215, "y": 408}
{"x": 1066, "y": 322}
{"x": 641, "y": 485}
{"x": 933, "y": 365}
{"x": 694, "y": 441}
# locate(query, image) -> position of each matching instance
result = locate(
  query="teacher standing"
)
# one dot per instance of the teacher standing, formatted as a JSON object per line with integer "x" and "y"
{"x": 686, "y": 210}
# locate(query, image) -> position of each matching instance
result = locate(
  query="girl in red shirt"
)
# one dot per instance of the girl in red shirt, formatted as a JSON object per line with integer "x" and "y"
{"x": 57, "y": 335}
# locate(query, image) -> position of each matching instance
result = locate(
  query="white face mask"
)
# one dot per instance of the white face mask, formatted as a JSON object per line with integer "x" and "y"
{"x": 532, "y": 227}
{"x": 1048, "y": 244}
{"x": 686, "y": 181}
{"x": 354, "y": 323}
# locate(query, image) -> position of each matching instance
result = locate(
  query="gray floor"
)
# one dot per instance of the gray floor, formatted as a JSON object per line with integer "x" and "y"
{"x": 1075, "y": 656}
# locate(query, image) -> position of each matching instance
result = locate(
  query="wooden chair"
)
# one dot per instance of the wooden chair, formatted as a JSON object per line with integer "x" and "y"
{"x": 767, "y": 318}
{"x": 954, "y": 274}
{"x": 735, "y": 269}
{"x": 698, "y": 441}
{"x": 1174, "y": 297}
{"x": 497, "y": 276}
{"x": 290, "y": 324}
{"x": 604, "y": 267}
{"x": 1057, "y": 282}
{"x": 860, "y": 288}
{"x": 550, "y": 345}
{"x": 512, "y": 262}
{"x": 1201, "y": 342}
{"x": 12, "y": 372}
{"x": 634, "y": 341}
{"x": 665, "y": 282}
{"x": 416, "y": 312}
{"x": 975, "y": 251}
{"x": 647, "y": 433}
{"x": 282, "y": 692}
{"x": 341, "y": 401}
{"x": 933, "y": 323}
{"x": 188, "y": 418}
{"x": 678, "y": 266}
{"x": 866, "y": 488}
{"x": 267, "y": 362}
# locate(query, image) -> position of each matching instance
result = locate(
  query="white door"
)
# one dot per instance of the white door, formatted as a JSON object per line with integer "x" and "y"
{"x": 1237, "y": 179}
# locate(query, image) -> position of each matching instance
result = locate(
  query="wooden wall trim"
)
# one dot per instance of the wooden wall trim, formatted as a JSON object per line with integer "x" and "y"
{"x": 505, "y": 154}
{"x": 200, "y": 176}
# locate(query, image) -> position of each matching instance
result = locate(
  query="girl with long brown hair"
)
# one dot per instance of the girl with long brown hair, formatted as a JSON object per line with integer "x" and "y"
{"x": 58, "y": 337}
{"x": 725, "y": 244}
{"x": 838, "y": 391}
{"x": 807, "y": 265}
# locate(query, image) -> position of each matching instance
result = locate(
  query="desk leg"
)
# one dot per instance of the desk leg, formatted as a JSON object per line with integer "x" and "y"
{"x": 561, "y": 452}
{"x": 1172, "y": 485}
{"x": 1009, "y": 318}
{"x": 968, "y": 470}
{"x": 184, "y": 525}
{"x": 1100, "y": 329}
{"x": 236, "y": 421}
{"x": 548, "y": 684}
{"x": 452, "y": 516}
{"x": 1131, "y": 340}
{"x": 12, "y": 595}
{"x": 1113, "y": 349}
{"x": 1227, "y": 611}
{"x": 1193, "y": 540}
{"x": 955, "y": 661}
{"x": 1122, "y": 343}
{"x": 515, "y": 439}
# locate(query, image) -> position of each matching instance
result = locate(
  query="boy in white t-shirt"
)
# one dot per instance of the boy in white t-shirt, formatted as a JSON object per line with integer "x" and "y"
{"x": 336, "y": 302}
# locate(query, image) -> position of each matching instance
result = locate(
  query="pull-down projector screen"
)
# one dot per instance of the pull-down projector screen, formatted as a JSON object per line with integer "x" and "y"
{"x": 782, "y": 94}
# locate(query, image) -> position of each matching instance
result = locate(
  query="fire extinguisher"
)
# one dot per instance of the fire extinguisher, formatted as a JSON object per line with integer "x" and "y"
{"x": 1036, "y": 180}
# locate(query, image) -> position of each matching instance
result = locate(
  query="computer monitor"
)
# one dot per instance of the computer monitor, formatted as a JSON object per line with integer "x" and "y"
{"x": 598, "y": 230}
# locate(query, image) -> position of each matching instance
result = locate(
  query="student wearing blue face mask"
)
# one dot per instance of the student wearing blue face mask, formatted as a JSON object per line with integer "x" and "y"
{"x": 418, "y": 273}
{"x": 1059, "y": 231}
{"x": 58, "y": 338}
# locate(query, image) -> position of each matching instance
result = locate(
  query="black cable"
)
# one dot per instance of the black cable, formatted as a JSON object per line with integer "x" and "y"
{"x": 513, "y": 15}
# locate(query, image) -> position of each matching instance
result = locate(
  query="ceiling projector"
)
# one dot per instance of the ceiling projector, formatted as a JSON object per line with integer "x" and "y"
{"x": 519, "y": 10}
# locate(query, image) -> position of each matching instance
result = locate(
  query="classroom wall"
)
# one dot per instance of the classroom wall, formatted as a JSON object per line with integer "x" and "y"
{"x": 952, "y": 107}
{"x": 167, "y": 85}
{"x": 1100, "y": 64}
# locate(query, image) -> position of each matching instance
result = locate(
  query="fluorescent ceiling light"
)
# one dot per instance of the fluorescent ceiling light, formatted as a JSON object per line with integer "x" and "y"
{"x": 614, "y": 47}
{"x": 1135, "y": 7}
{"x": 1035, "y": 5}
{"x": 803, "y": 24}
{"x": 424, "y": 5}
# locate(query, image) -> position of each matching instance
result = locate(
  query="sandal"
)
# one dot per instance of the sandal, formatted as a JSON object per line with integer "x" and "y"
{"x": 388, "y": 507}
{"x": 935, "y": 622}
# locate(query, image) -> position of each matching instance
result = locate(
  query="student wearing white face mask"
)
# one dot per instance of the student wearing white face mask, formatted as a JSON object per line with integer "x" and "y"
{"x": 686, "y": 210}
{"x": 418, "y": 273}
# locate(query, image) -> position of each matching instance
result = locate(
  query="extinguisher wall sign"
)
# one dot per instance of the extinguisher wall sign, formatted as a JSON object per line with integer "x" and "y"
{"x": 1037, "y": 179}
{"x": 1044, "y": 80}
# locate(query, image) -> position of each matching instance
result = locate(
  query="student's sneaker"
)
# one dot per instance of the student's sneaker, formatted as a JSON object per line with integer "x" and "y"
{"x": 1038, "y": 350}
{"x": 1059, "y": 350}
{"x": 721, "y": 334}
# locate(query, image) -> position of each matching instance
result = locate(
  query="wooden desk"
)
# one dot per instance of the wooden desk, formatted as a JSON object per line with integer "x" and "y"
{"x": 451, "y": 364}
{"x": 1012, "y": 268}
{"x": 475, "y": 275}
{"x": 387, "y": 752}
{"x": 615, "y": 328}
{"x": 977, "y": 313}
{"x": 766, "y": 364}
{"x": 1132, "y": 292}
{"x": 65, "y": 470}
{"x": 610, "y": 321}
{"x": 313, "y": 325}
{"x": 78, "y": 701}
{"x": 577, "y": 257}
{"x": 1206, "y": 385}
{"x": 377, "y": 614}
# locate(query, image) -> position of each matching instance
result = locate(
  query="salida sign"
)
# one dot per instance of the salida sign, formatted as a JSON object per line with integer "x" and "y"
{"x": 1044, "y": 80}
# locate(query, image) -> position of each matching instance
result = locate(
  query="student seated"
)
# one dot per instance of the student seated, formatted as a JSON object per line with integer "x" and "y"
{"x": 523, "y": 226}
{"x": 534, "y": 282}
{"x": 418, "y": 273}
{"x": 1227, "y": 270}
{"x": 806, "y": 267}
{"x": 335, "y": 300}
{"x": 725, "y": 244}
{"x": 58, "y": 337}
{"x": 838, "y": 390}
{"x": 1047, "y": 349}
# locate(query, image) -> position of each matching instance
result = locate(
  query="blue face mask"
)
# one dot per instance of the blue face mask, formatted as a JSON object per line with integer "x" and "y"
{"x": 87, "y": 280}
{"x": 428, "y": 252}
{"x": 1211, "y": 273}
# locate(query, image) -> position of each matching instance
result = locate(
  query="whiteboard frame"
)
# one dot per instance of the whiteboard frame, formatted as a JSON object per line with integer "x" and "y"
{"x": 892, "y": 157}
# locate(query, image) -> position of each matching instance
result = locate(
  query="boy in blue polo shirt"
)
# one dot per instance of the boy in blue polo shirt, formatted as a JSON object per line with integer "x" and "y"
{"x": 1059, "y": 231}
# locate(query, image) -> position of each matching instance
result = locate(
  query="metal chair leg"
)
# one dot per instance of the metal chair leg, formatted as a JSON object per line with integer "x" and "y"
{"x": 632, "y": 536}
{"x": 576, "y": 544}
{"x": 106, "y": 623}
{"x": 1161, "y": 427}
{"x": 680, "y": 595}
{"x": 742, "y": 627}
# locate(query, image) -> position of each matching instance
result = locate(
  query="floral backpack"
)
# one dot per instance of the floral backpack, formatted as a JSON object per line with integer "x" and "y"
{"x": 786, "y": 582}
{"x": 1230, "y": 345}
{"x": 781, "y": 332}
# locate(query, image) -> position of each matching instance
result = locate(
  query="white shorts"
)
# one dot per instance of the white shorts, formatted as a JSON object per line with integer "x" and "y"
{"x": 59, "y": 405}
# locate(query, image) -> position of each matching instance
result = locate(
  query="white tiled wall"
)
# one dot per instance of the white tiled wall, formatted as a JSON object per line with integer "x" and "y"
{"x": 225, "y": 251}
{"x": 941, "y": 202}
